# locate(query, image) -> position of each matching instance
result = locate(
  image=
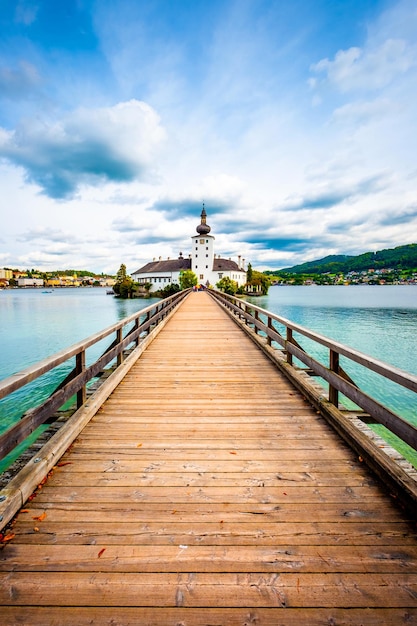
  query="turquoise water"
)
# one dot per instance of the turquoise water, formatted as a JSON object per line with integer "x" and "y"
{"x": 35, "y": 325}
{"x": 378, "y": 320}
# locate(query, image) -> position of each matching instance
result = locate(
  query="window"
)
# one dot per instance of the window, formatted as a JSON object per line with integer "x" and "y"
{"x": 220, "y": 274}
{"x": 206, "y": 247}
{"x": 201, "y": 276}
{"x": 206, "y": 255}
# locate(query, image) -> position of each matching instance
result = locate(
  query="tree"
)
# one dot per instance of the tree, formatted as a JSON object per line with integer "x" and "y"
{"x": 188, "y": 279}
{"x": 227, "y": 285}
{"x": 258, "y": 279}
{"x": 249, "y": 274}
{"x": 167, "y": 291}
{"x": 123, "y": 286}
{"x": 121, "y": 273}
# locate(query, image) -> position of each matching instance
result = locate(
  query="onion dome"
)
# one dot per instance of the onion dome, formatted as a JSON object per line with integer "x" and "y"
{"x": 203, "y": 228}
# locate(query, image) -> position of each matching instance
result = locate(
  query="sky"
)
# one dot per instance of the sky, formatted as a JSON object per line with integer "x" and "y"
{"x": 294, "y": 121}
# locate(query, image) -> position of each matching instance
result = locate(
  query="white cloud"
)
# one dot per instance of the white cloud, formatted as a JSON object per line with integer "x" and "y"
{"x": 367, "y": 69}
{"x": 86, "y": 146}
{"x": 363, "y": 112}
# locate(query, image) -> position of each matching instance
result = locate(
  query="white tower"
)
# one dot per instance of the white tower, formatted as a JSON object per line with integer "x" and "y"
{"x": 202, "y": 256}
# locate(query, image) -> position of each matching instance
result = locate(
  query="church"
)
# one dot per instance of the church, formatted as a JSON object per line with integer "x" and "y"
{"x": 206, "y": 265}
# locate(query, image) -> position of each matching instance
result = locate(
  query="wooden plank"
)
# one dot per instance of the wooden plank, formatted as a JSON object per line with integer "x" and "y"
{"x": 156, "y": 616}
{"x": 216, "y": 495}
{"x": 246, "y": 467}
{"x": 182, "y": 453}
{"x": 376, "y": 511}
{"x": 198, "y": 479}
{"x": 390, "y": 559}
{"x": 196, "y": 590}
{"x": 258, "y": 533}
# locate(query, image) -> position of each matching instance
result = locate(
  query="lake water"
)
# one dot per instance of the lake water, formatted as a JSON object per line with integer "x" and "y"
{"x": 378, "y": 320}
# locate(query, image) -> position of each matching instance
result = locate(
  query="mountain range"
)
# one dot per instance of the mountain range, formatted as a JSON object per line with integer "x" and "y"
{"x": 402, "y": 257}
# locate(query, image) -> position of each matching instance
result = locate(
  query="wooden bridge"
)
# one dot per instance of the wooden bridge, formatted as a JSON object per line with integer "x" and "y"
{"x": 206, "y": 490}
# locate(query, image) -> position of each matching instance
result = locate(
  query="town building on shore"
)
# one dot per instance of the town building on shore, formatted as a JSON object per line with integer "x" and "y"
{"x": 30, "y": 282}
{"x": 206, "y": 265}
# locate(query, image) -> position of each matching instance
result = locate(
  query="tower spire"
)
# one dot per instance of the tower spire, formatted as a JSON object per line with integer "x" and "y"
{"x": 203, "y": 228}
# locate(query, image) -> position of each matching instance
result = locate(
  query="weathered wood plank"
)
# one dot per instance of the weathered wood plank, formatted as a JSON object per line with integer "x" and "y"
{"x": 190, "y": 512}
{"x": 215, "y": 495}
{"x": 156, "y": 616}
{"x": 258, "y": 533}
{"x": 246, "y": 467}
{"x": 198, "y": 479}
{"x": 214, "y": 454}
{"x": 389, "y": 559}
{"x": 195, "y": 590}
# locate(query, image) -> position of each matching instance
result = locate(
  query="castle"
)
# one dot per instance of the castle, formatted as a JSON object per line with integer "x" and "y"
{"x": 208, "y": 267}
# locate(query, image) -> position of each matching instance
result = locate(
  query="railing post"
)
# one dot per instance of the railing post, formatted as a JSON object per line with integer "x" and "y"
{"x": 79, "y": 368}
{"x": 270, "y": 325}
{"x": 257, "y": 319}
{"x": 119, "y": 340}
{"x": 289, "y": 340}
{"x": 334, "y": 367}
{"x": 136, "y": 328}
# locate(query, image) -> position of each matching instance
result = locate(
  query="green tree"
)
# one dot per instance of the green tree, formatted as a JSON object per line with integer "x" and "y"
{"x": 167, "y": 291}
{"x": 249, "y": 274}
{"x": 227, "y": 285}
{"x": 123, "y": 286}
{"x": 121, "y": 273}
{"x": 258, "y": 279}
{"x": 188, "y": 279}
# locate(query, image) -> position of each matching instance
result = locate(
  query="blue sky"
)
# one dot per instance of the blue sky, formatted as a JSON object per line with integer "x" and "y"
{"x": 293, "y": 120}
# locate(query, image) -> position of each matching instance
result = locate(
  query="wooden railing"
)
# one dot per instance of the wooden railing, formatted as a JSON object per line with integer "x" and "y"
{"x": 264, "y": 323}
{"x": 129, "y": 333}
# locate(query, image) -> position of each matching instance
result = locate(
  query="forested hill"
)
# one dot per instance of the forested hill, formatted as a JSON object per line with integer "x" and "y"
{"x": 403, "y": 257}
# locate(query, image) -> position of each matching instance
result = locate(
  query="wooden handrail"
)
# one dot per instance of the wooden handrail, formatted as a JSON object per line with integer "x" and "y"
{"x": 75, "y": 383}
{"x": 339, "y": 381}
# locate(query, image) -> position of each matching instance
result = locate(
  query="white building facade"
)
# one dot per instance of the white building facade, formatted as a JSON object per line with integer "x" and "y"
{"x": 208, "y": 267}
{"x": 30, "y": 282}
